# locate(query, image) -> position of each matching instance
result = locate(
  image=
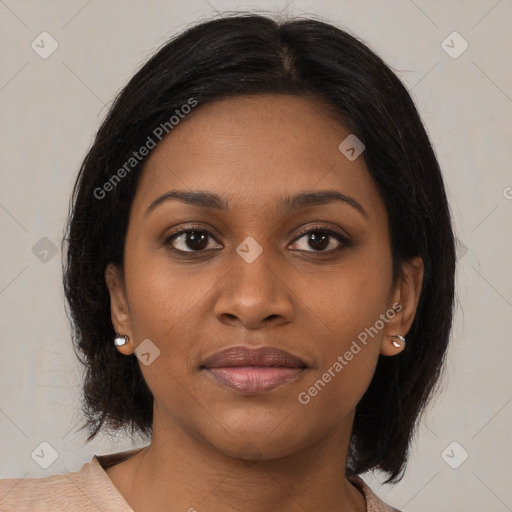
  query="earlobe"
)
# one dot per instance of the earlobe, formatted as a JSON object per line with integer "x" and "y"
{"x": 119, "y": 310}
{"x": 406, "y": 293}
{"x": 393, "y": 346}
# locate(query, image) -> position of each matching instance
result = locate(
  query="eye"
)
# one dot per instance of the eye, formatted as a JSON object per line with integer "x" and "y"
{"x": 192, "y": 239}
{"x": 195, "y": 239}
{"x": 320, "y": 238}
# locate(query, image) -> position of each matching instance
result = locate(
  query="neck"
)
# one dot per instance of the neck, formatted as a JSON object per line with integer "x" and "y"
{"x": 177, "y": 472}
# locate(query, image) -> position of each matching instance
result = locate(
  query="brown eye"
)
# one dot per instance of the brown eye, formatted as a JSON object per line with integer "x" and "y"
{"x": 320, "y": 239}
{"x": 190, "y": 240}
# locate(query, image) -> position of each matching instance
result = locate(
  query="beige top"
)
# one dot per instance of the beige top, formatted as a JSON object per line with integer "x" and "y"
{"x": 91, "y": 490}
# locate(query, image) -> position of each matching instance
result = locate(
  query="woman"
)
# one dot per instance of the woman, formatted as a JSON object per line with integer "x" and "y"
{"x": 260, "y": 275}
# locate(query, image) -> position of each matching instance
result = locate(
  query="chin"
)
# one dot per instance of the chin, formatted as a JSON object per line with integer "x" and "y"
{"x": 258, "y": 438}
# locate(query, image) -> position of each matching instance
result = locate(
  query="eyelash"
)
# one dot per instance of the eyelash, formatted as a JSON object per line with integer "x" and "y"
{"x": 344, "y": 240}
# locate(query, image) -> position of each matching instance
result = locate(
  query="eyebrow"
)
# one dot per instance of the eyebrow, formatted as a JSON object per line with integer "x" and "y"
{"x": 202, "y": 199}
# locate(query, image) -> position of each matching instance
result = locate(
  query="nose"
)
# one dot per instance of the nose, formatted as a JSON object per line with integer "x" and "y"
{"x": 255, "y": 295}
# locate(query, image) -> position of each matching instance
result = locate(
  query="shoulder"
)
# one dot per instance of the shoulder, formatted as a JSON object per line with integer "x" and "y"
{"x": 373, "y": 502}
{"x": 33, "y": 493}
{"x": 38, "y": 494}
{"x": 88, "y": 489}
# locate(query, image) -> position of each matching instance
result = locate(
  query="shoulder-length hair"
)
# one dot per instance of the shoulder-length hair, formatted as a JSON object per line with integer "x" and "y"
{"x": 249, "y": 54}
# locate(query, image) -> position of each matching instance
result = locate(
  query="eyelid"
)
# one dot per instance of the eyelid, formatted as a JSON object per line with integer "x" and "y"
{"x": 344, "y": 240}
{"x": 342, "y": 237}
{"x": 325, "y": 229}
{"x": 183, "y": 229}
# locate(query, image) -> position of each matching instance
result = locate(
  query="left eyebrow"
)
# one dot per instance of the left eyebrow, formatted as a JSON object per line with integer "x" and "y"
{"x": 202, "y": 199}
{"x": 318, "y": 198}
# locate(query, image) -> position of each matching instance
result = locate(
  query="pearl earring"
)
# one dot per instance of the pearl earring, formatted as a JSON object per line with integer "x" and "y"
{"x": 120, "y": 340}
{"x": 401, "y": 338}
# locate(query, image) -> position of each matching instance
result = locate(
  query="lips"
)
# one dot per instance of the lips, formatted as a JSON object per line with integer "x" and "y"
{"x": 253, "y": 369}
{"x": 246, "y": 356}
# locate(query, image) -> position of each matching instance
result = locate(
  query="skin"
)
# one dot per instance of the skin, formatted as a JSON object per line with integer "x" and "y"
{"x": 214, "y": 448}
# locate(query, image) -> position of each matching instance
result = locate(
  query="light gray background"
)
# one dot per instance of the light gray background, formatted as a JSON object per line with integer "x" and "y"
{"x": 51, "y": 109}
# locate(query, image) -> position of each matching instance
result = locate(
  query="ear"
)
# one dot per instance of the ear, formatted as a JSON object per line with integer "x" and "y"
{"x": 404, "y": 301}
{"x": 119, "y": 309}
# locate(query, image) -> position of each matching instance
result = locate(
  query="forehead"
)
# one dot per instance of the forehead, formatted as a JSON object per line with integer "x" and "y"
{"x": 254, "y": 150}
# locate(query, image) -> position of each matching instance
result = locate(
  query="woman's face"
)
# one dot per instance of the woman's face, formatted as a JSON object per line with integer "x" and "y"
{"x": 251, "y": 275}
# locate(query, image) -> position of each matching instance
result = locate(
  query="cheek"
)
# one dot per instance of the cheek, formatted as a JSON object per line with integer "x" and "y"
{"x": 331, "y": 394}
{"x": 164, "y": 305}
{"x": 169, "y": 306}
{"x": 345, "y": 363}
{"x": 347, "y": 311}
{"x": 163, "y": 296}
{"x": 349, "y": 300}
{"x": 333, "y": 309}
